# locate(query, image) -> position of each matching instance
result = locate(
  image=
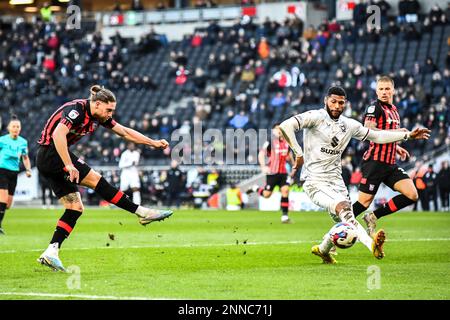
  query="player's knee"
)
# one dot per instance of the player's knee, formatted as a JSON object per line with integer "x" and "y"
{"x": 412, "y": 194}
{"x": 266, "y": 194}
{"x": 365, "y": 202}
{"x": 284, "y": 190}
{"x": 77, "y": 206}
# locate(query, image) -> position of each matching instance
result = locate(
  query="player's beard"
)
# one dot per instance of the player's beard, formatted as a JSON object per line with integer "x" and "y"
{"x": 331, "y": 113}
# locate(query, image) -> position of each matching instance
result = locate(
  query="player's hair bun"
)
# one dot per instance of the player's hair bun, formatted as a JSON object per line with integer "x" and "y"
{"x": 100, "y": 93}
{"x": 96, "y": 88}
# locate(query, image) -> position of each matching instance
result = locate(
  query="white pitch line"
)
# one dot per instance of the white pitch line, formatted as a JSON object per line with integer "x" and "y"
{"x": 216, "y": 245}
{"x": 79, "y": 296}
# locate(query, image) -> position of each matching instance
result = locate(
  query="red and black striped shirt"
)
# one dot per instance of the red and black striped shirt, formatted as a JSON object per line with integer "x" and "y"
{"x": 386, "y": 117}
{"x": 77, "y": 116}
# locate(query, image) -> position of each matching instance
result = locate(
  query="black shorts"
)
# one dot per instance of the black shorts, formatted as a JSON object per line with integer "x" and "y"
{"x": 8, "y": 180}
{"x": 51, "y": 167}
{"x": 273, "y": 180}
{"x": 374, "y": 173}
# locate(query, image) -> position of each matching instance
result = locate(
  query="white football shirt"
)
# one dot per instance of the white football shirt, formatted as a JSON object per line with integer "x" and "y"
{"x": 129, "y": 159}
{"x": 324, "y": 141}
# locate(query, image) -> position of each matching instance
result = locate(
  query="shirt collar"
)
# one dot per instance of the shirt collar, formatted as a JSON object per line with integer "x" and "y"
{"x": 384, "y": 103}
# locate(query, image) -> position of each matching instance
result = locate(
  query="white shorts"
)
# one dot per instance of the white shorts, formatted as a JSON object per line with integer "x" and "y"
{"x": 129, "y": 179}
{"x": 327, "y": 194}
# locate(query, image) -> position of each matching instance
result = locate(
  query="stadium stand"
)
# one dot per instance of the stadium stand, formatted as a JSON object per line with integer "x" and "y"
{"x": 249, "y": 75}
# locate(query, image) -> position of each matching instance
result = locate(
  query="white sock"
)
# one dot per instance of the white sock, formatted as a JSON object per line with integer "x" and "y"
{"x": 363, "y": 237}
{"x": 141, "y": 211}
{"x": 326, "y": 244}
{"x": 52, "y": 248}
{"x": 137, "y": 197}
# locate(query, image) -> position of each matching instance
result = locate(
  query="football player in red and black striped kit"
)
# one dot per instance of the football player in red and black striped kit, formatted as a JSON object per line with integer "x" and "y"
{"x": 65, "y": 171}
{"x": 278, "y": 153}
{"x": 379, "y": 164}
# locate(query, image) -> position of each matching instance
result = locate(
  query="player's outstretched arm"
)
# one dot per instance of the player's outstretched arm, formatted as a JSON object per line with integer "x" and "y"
{"x": 420, "y": 134}
{"x": 384, "y": 136}
{"x": 137, "y": 137}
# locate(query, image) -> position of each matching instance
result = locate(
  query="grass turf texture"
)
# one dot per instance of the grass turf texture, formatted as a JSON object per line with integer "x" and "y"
{"x": 221, "y": 255}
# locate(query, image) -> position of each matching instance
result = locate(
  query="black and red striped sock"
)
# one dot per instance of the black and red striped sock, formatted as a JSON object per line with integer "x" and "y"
{"x": 2, "y": 212}
{"x": 65, "y": 226}
{"x": 396, "y": 203}
{"x": 358, "y": 208}
{"x": 285, "y": 205}
{"x": 115, "y": 196}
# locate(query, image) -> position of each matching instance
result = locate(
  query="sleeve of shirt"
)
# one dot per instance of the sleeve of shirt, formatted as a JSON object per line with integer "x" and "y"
{"x": 358, "y": 130}
{"x": 110, "y": 123}
{"x": 373, "y": 113}
{"x": 267, "y": 147}
{"x": 25, "y": 148}
{"x": 308, "y": 119}
{"x": 72, "y": 116}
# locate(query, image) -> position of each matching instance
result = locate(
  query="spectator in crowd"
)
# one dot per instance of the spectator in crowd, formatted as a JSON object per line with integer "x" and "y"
{"x": 181, "y": 75}
{"x": 360, "y": 13}
{"x": 161, "y": 6}
{"x": 443, "y": 182}
{"x": 239, "y": 121}
{"x": 47, "y": 197}
{"x": 46, "y": 12}
{"x": 263, "y": 48}
{"x": 234, "y": 198}
{"x": 417, "y": 176}
{"x": 283, "y": 78}
{"x": 136, "y": 5}
{"x": 384, "y": 8}
{"x": 45, "y": 62}
{"x": 174, "y": 184}
{"x": 429, "y": 179}
{"x": 279, "y": 100}
{"x": 429, "y": 66}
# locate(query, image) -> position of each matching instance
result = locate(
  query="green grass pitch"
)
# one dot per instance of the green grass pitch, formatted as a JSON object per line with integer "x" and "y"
{"x": 221, "y": 255}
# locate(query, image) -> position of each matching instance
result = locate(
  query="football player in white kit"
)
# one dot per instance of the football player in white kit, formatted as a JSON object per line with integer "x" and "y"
{"x": 129, "y": 176}
{"x": 326, "y": 135}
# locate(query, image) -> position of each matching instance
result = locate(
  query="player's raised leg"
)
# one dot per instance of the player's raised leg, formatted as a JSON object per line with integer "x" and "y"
{"x": 113, "y": 195}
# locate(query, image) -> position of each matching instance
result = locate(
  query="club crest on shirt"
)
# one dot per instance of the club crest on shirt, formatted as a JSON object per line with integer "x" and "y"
{"x": 73, "y": 114}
